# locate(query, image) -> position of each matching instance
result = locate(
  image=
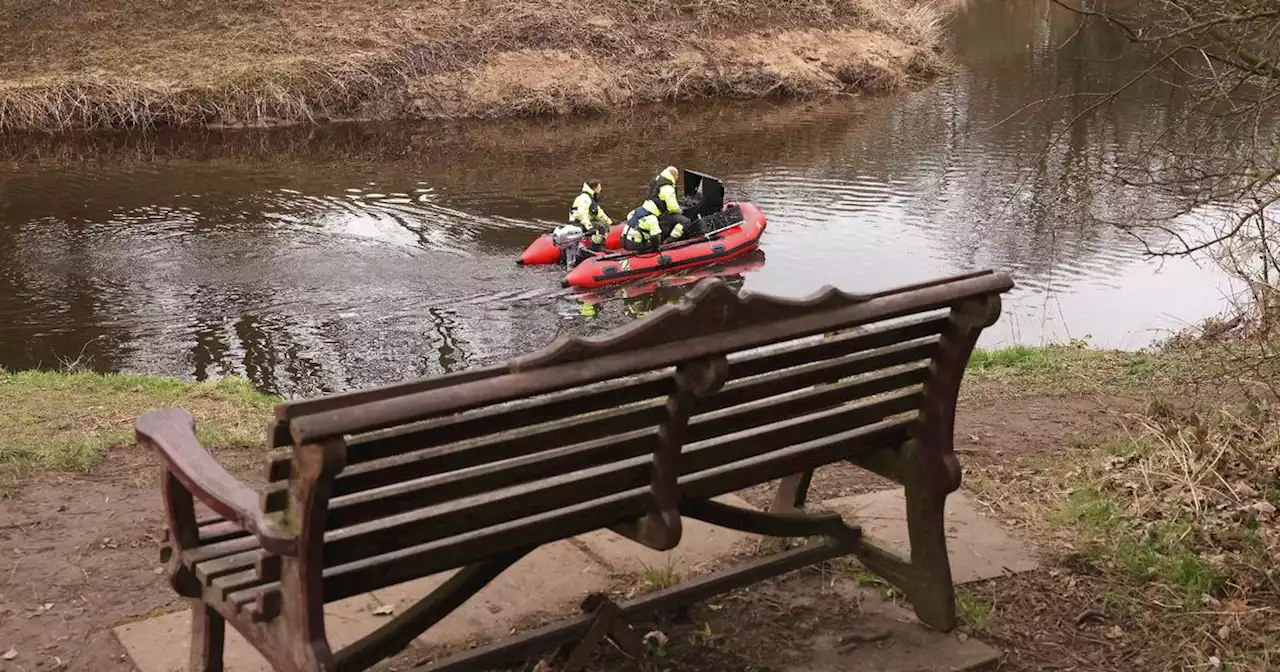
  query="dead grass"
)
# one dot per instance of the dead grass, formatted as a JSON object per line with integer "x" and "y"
{"x": 1164, "y": 532}
{"x": 120, "y": 63}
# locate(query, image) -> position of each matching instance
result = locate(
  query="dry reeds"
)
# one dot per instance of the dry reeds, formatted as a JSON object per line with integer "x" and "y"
{"x": 427, "y": 62}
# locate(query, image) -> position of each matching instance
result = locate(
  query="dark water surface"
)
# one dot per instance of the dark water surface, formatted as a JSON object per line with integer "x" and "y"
{"x": 324, "y": 259}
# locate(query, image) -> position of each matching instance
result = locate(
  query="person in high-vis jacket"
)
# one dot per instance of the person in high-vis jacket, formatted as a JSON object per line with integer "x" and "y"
{"x": 659, "y": 219}
{"x": 587, "y": 214}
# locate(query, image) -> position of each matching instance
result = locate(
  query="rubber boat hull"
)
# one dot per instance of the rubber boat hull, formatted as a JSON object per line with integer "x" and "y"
{"x": 731, "y": 242}
{"x": 746, "y": 263}
{"x": 543, "y": 250}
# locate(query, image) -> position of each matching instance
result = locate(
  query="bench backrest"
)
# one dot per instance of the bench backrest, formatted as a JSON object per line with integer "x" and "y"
{"x": 714, "y": 394}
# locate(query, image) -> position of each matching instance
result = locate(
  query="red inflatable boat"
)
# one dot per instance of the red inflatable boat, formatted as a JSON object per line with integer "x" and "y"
{"x": 737, "y": 231}
{"x": 703, "y": 198}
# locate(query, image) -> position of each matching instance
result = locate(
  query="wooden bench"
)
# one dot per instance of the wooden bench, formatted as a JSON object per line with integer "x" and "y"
{"x": 631, "y": 431}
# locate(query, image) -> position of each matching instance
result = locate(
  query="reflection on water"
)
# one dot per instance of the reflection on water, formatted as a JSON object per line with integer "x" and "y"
{"x": 318, "y": 259}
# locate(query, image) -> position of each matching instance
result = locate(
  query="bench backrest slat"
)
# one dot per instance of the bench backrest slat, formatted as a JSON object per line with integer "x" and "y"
{"x": 765, "y": 361}
{"x": 709, "y": 417}
{"x": 773, "y": 399}
{"x": 524, "y": 383}
{"x": 713, "y": 306}
{"x": 412, "y": 441}
{"x": 296, "y": 409}
{"x": 415, "y": 437}
{"x": 416, "y": 525}
{"x": 375, "y": 571}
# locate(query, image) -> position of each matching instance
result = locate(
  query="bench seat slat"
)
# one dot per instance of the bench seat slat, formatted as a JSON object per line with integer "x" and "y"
{"x": 371, "y": 573}
{"x": 207, "y": 552}
{"x": 215, "y": 572}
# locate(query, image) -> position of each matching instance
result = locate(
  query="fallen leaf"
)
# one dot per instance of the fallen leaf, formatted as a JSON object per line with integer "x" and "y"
{"x": 10, "y": 654}
{"x": 384, "y": 610}
{"x": 1244, "y": 489}
{"x": 1236, "y": 606}
{"x": 658, "y": 638}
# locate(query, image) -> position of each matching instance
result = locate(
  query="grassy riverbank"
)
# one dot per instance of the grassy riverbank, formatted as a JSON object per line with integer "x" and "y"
{"x": 127, "y": 63}
{"x": 68, "y": 421}
{"x": 1150, "y": 494}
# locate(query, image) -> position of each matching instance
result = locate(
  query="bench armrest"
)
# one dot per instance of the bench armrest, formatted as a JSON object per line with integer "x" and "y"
{"x": 172, "y": 432}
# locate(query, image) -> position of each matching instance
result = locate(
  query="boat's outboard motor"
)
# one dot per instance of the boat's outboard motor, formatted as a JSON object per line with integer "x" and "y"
{"x": 568, "y": 238}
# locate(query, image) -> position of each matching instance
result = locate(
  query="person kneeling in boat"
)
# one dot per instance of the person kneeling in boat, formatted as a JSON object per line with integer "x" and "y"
{"x": 643, "y": 231}
{"x": 587, "y": 214}
{"x": 659, "y": 219}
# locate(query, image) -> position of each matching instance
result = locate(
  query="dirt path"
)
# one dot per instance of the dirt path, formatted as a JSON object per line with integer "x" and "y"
{"x": 78, "y": 556}
{"x": 78, "y": 553}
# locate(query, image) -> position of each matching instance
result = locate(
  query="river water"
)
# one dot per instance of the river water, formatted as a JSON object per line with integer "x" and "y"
{"x": 321, "y": 259}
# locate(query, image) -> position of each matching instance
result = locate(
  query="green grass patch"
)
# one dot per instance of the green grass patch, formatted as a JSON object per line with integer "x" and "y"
{"x": 1016, "y": 358}
{"x": 1065, "y": 369}
{"x": 972, "y": 610}
{"x": 866, "y": 579}
{"x": 67, "y": 421}
{"x": 660, "y": 577}
{"x": 1138, "y": 551}
{"x": 1092, "y": 512}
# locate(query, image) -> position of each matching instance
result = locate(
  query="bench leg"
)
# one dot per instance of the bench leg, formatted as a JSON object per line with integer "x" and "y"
{"x": 208, "y": 635}
{"x": 791, "y": 493}
{"x": 609, "y": 623}
{"x": 934, "y": 597}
